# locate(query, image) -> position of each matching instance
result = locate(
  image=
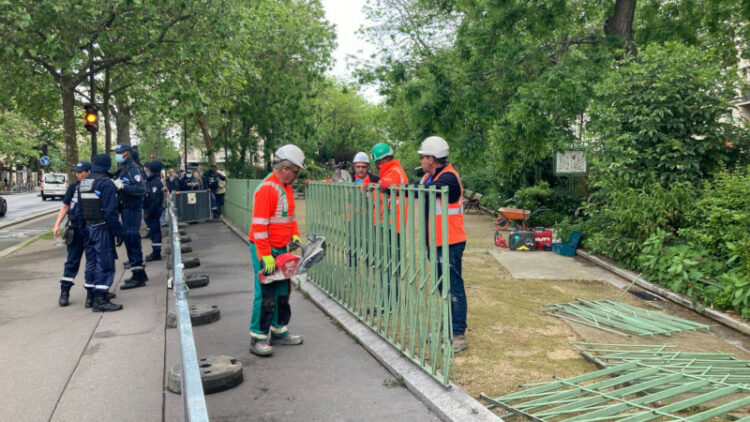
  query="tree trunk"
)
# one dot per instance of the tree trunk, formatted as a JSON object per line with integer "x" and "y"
{"x": 67, "y": 91}
{"x": 106, "y": 113}
{"x": 122, "y": 118}
{"x": 620, "y": 24}
{"x": 207, "y": 137}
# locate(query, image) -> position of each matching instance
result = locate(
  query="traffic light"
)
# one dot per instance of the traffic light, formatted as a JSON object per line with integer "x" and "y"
{"x": 91, "y": 118}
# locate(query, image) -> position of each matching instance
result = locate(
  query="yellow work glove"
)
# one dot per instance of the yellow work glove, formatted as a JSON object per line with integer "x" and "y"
{"x": 268, "y": 264}
{"x": 295, "y": 243}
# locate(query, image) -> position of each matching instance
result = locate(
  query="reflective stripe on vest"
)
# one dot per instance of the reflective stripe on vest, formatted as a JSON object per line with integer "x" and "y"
{"x": 456, "y": 233}
{"x": 282, "y": 204}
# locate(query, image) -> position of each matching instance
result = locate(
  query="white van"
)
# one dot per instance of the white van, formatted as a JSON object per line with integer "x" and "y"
{"x": 54, "y": 184}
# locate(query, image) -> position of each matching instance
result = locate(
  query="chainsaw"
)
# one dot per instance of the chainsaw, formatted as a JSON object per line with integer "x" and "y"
{"x": 288, "y": 264}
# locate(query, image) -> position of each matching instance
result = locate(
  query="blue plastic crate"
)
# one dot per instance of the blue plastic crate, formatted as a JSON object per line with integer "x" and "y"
{"x": 567, "y": 248}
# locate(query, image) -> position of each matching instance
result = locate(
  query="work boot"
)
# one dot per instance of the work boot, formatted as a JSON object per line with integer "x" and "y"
{"x": 153, "y": 256}
{"x": 127, "y": 265}
{"x": 89, "y": 298}
{"x": 260, "y": 348}
{"x": 459, "y": 343}
{"x": 101, "y": 304}
{"x": 138, "y": 279}
{"x": 64, "y": 297}
{"x": 287, "y": 340}
{"x": 111, "y": 295}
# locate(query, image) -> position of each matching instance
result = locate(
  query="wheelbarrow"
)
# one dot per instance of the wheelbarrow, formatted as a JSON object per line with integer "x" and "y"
{"x": 510, "y": 217}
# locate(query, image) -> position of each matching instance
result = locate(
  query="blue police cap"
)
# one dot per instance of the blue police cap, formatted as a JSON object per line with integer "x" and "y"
{"x": 103, "y": 161}
{"x": 155, "y": 166}
{"x": 82, "y": 166}
{"x": 122, "y": 148}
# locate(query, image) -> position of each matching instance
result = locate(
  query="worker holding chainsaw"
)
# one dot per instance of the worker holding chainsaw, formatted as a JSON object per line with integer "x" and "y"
{"x": 273, "y": 231}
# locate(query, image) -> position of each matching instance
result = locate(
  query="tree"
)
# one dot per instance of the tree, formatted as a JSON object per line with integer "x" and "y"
{"x": 64, "y": 40}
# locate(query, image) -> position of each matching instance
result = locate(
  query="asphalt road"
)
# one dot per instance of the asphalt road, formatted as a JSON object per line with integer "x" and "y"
{"x": 23, "y": 204}
{"x": 19, "y": 233}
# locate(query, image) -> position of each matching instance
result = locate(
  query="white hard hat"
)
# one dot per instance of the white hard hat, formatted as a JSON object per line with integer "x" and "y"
{"x": 292, "y": 153}
{"x": 434, "y": 146}
{"x": 360, "y": 157}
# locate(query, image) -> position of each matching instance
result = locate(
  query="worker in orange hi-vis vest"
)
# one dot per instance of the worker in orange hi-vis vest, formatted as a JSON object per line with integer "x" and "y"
{"x": 433, "y": 155}
{"x": 273, "y": 228}
{"x": 391, "y": 173}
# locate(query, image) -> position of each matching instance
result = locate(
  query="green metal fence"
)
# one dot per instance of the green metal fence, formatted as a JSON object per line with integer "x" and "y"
{"x": 238, "y": 201}
{"x": 378, "y": 265}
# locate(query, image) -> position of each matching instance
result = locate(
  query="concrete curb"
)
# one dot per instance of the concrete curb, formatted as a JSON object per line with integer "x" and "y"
{"x": 449, "y": 404}
{"x": 29, "y": 217}
{"x": 674, "y": 297}
{"x": 8, "y": 251}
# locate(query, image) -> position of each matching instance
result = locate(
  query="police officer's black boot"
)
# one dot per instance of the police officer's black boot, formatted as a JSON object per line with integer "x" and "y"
{"x": 101, "y": 304}
{"x": 89, "y": 298}
{"x": 153, "y": 256}
{"x": 138, "y": 279}
{"x": 64, "y": 297}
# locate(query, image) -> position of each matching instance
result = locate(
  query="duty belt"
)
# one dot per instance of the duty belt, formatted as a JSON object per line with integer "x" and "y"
{"x": 95, "y": 223}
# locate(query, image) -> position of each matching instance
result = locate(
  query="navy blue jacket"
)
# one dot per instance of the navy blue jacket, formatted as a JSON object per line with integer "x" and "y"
{"x": 448, "y": 179}
{"x": 107, "y": 192}
{"x": 75, "y": 216}
{"x": 134, "y": 189}
{"x": 152, "y": 204}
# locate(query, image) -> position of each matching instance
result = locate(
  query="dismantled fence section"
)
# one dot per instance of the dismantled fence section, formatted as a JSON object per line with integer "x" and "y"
{"x": 193, "y": 399}
{"x": 630, "y": 392}
{"x": 722, "y": 367}
{"x": 619, "y": 318}
{"x": 383, "y": 264}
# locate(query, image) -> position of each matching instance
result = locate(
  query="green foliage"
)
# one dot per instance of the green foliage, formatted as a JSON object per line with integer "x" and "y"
{"x": 709, "y": 259}
{"x": 561, "y": 203}
{"x": 344, "y": 123}
{"x": 679, "y": 267}
{"x": 619, "y": 224}
{"x": 18, "y": 138}
{"x": 662, "y": 118}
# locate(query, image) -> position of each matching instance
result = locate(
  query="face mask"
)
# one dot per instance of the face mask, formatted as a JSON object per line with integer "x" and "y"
{"x": 119, "y": 158}
{"x": 148, "y": 173}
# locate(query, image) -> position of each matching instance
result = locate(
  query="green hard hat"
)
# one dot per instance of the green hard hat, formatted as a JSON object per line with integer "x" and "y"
{"x": 380, "y": 150}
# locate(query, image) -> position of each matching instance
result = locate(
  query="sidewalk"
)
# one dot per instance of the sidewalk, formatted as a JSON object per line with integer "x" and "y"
{"x": 328, "y": 378}
{"x": 69, "y": 364}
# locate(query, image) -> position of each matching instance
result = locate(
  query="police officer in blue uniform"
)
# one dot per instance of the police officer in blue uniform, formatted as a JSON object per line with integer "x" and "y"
{"x": 74, "y": 236}
{"x": 152, "y": 208}
{"x": 211, "y": 180}
{"x": 130, "y": 183}
{"x": 97, "y": 199}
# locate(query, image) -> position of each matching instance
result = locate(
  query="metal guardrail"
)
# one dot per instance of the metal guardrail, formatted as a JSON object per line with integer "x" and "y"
{"x": 193, "y": 399}
{"x": 378, "y": 265}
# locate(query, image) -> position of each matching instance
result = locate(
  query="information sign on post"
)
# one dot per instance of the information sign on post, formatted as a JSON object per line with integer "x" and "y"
{"x": 570, "y": 163}
{"x": 44, "y": 160}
